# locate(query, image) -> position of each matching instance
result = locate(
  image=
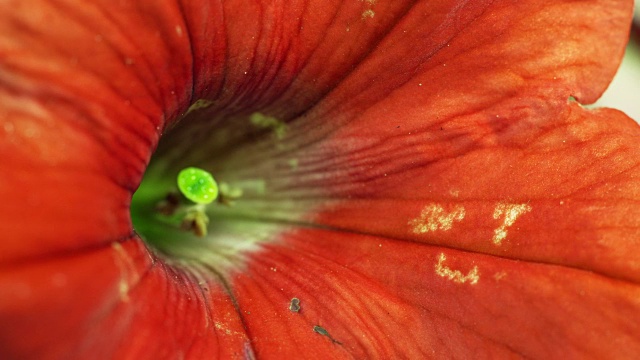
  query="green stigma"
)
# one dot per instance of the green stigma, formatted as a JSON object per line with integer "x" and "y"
{"x": 197, "y": 185}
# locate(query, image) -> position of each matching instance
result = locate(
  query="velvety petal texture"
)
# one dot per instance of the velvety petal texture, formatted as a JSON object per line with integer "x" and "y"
{"x": 420, "y": 180}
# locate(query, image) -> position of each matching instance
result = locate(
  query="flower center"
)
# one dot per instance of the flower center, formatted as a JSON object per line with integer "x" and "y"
{"x": 187, "y": 216}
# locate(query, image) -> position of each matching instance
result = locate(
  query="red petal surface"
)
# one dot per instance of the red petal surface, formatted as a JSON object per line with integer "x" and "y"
{"x": 116, "y": 302}
{"x": 81, "y": 110}
{"x": 469, "y": 209}
{"x": 384, "y": 298}
{"x": 522, "y": 249}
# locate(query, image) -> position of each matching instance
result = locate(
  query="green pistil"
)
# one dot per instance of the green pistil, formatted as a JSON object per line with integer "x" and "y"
{"x": 158, "y": 210}
{"x": 197, "y": 185}
{"x": 200, "y": 187}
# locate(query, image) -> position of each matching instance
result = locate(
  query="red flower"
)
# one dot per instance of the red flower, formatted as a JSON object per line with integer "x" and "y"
{"x": 418, "y": 180}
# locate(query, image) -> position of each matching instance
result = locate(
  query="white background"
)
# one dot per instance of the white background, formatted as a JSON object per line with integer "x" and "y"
{"x": 624, "y": 92}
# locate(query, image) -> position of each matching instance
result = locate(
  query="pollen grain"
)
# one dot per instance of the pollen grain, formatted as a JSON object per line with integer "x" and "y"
{"x": 456, "y": 275}
{"x": 434, "y": 217}
{"x": 368, "y": 14}
{"x": 128, "y": 274}
{"x": 509, "y": 213}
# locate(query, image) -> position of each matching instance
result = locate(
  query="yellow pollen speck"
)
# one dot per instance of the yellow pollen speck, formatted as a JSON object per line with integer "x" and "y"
{"x": 128, "y": 274}
{"x": 434, "y": 217}
{"x": 221, "y": 327}
{"x": 456, "y": 275}
{"x": 368, "y": 14}
{"x": 510, "y": 212}
{"x": 499, "y": 275}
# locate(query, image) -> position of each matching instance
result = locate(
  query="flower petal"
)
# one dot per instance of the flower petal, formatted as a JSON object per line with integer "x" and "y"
{"x": 82, "y": 104}
{"x": 513, "y": 210}
{"x": 382, "y": 298}
{"x": 83, "y": 306}
{"x": 562, "y": 192}
{"x": 436, "y": 163}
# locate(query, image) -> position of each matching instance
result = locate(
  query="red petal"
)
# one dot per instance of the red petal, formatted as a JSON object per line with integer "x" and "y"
{"x": 570, "y": 185}
{"x": 488, "y": 156}
{"x": 76, "y": 147}
{"x": 82, "y": 107}
{"x": 382, "y": 298}
{"x": 117, "y": 302}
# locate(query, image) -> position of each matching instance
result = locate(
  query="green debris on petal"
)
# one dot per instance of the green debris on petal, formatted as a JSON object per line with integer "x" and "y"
{"x": 295, "y": 306}
{"x": 263, "y": 121}
{"x": 293, "y": 163}
{"x": 322, "y": 331}
{"x": 197, "y": 185}
{"x": 199, "y": 104}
